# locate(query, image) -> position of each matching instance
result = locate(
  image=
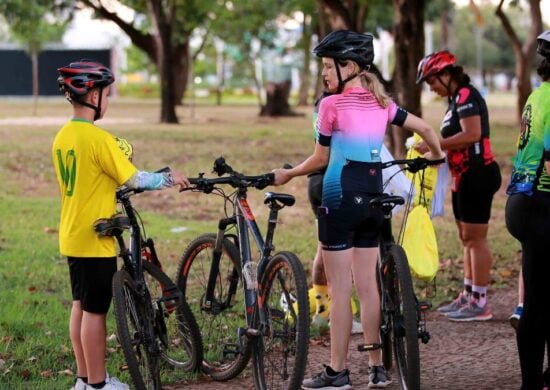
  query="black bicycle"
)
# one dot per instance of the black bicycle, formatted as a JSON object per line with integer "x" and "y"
{"x": 403, "y": 315}
{"x": 247, "y": 305}
{"x": 153, "y": 320}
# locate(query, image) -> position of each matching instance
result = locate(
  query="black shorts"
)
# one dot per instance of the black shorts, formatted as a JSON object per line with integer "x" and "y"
{"x": 472, "y": 202}
{"x": 91, "y": 282}
{"x": 354, "y": 224}
{"x": 315, "y": 190}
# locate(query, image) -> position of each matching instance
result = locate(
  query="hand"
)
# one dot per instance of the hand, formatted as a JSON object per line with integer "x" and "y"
{"x": 434, "y": 157}
{"x": 282, "y": 176}
{"x": 180, "y": 179}
{"x": 421, "y": 147}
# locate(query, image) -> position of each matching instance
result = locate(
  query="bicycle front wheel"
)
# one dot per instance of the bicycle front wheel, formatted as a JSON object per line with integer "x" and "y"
{"x": 225, "y": 356}
{"x": 135, "y": 332}
{"x": 280, "y": 356}
{"x": 178, "y": 330}
{"x": 404, "y": 319}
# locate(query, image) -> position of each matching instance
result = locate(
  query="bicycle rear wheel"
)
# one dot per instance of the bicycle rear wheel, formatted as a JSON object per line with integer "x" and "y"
{"x": 404, "y": 318}
{"x": 280, "y": 356}
{"x": 223, "y": 356}
{"x": 176, "y": 324}
{"x": 135, "y": 333}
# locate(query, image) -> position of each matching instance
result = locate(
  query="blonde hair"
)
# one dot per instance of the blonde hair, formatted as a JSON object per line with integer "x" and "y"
{"x": 371, "y": 82}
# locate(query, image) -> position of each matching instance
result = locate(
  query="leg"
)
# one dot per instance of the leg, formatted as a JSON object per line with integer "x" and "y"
{"x": 466, "y": 260}
{"x": 338, "y": 271}
{"x": 75, "y": 325}
{"x": 320, "y": 288}
{"x": 93, "y": 336}
{"x": 475, "y": 241}
{"x": 364, "y": 277}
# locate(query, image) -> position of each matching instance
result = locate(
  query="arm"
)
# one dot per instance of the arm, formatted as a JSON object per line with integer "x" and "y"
{"x": 427, "y": 133}
{"x": 156, "y": 181}
{"x": 471, "y": 132}
{"x": 319, "y": 159}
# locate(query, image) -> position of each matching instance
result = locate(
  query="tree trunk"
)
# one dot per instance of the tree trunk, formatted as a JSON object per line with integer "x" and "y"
{"x": 409, "y": 48}
{"x": 523, "y": 53}
{"x": 35, "y": 86}
{"x": 180, "y": 69}
{"x": 277, "y": 100}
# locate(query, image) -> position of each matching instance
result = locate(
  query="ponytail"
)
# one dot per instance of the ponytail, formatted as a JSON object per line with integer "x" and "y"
{"x": 371, "y": 82}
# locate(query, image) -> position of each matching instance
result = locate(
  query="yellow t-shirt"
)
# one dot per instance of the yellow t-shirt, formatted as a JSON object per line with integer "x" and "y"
{"x": 89, "y": 165}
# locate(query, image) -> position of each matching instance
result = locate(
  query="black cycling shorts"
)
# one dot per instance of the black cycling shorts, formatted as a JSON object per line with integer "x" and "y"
{"x": 472, "y": 202}
{"x": 91, "y": 282}
{"x": 354, "y": 224}
{"x": 315, "y": 190}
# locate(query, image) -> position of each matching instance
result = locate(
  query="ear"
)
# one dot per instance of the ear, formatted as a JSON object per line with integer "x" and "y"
{"x": 94, "y": 96}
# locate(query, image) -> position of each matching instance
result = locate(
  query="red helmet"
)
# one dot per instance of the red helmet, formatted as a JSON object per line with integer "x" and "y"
{"x": 434, "y": 63}
{"x": 79, "y": 77}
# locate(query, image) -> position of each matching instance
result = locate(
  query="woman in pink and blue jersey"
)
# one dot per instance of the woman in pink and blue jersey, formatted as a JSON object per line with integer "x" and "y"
{"x": 351, "y": 127}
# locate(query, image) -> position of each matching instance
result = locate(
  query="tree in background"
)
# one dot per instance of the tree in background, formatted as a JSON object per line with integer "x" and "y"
{"x": 524, "y": 53}
{"x": 33, "y": 24}
{"x": 162, "y": 29}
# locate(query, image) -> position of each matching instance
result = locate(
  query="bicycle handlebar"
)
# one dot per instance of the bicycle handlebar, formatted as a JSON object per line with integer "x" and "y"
{"x": 413, "y": 165}
{"x": 235, "y": 179}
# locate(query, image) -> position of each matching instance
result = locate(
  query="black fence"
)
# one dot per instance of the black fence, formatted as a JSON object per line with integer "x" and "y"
{"x": 16, "y": 69}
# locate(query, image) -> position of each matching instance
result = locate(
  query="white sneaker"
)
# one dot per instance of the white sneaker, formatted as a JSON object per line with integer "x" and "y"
{"x": 111, "y": 383}
{"x": 356, "y": 327}
{"x": 79, "y": 384}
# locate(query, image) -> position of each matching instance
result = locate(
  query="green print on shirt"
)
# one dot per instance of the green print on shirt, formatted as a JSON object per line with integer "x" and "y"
{"x": 67, "y": 170}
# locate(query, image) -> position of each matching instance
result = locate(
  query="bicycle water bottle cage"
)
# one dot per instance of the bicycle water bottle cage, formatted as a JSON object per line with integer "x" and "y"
{"x": 368, "y": 347}
{"x": 114, "y": 226}
{"x": 273, "y": 197}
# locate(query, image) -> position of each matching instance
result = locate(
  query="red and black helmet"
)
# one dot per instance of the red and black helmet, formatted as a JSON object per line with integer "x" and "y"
{"x": 543, "y": 44}
{"x": 433, "y": 64}
{"x": 79, "y": 77}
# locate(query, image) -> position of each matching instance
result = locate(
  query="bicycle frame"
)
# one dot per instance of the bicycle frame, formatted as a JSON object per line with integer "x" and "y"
{"x": 247, "y": 227}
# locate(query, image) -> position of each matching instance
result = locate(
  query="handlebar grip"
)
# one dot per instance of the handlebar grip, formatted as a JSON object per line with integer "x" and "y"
{"x": 163, "y": 170}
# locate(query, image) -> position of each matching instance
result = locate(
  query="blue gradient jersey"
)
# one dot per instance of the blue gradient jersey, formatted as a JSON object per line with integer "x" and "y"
{"x": 353, "y": 124}
{"x": 529, "y": 173}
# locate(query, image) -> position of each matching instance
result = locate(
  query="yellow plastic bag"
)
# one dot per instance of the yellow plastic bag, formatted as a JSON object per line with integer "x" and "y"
{"x": 425, "y": 181}
{"x": 420, "y": 244}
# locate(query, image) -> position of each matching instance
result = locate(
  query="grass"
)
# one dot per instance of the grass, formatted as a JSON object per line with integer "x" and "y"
{"x": 35, "y": 350}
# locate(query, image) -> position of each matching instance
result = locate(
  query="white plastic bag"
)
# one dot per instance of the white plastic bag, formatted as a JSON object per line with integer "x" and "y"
{"x": 395, "y": 181}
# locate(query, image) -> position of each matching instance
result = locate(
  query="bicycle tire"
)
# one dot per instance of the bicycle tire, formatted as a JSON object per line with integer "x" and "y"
{"x": 179, "y": 333}
{"x": 223, "y": 357}
{"x": 132, "y": 322}
{"x": 280, "y": 356}
{"x": 404, "y": 318}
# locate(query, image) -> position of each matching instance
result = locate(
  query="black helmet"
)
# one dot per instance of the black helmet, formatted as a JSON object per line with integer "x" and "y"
{"x": 543, "y": 47}
{"x": 79, "y": 77}
{"x": 347, "y": 45}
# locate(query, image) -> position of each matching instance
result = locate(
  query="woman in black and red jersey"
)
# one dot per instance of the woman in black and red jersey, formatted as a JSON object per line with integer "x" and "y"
{"x": 475, "y": 177}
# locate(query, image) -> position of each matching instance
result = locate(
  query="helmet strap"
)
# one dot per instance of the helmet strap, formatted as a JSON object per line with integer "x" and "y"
{"x": 97, "y": 109}
{"x": 341, "y": 82}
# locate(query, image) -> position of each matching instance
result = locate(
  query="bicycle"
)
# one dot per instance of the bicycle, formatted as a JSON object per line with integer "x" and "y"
{"x": 245, "y": 308}
{"x": 403, "y": 315}
{"x": 152, "y": 318}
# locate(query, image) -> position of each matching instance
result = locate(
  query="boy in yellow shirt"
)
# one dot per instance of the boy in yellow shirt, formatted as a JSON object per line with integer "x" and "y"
{"x": 90, "y": 165}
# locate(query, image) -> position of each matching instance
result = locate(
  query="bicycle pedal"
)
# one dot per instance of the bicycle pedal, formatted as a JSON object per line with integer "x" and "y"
{"x": 231, "y": 350}
{"x": 424, "y": 305}
{"x": 368, "y": 347}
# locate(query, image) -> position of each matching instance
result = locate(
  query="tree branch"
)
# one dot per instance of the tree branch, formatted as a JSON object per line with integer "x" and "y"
{"x": 145, "y": 42}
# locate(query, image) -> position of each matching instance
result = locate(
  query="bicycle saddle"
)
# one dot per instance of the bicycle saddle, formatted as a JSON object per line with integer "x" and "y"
{"x": 386, "y": 199}
{"x": 113, "y": 226}
{"x": 286, "y": 199}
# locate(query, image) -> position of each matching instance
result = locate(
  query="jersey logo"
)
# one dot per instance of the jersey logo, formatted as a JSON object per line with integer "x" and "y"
{"x": 67, "y": 170}
{"x": 358, "y": 199}
{"x": 463, "y": 95}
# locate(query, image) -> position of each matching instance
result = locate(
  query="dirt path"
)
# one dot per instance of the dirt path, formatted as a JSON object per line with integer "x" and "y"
{"x": 481, "y": 356}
